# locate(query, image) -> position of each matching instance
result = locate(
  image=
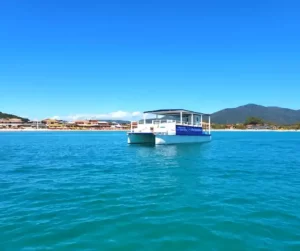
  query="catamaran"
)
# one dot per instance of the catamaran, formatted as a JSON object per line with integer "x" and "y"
{"x": 171, "y": 126}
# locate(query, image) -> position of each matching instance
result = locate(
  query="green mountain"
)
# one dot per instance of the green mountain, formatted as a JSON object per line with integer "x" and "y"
{"x": 11, "y": 116}
{"x": 277, "y": 115}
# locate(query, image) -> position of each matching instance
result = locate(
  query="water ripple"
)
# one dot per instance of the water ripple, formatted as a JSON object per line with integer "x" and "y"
{"x": 91, "y": 191}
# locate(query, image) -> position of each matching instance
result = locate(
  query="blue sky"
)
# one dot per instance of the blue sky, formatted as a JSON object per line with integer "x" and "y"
{"x": 112, "y": 58}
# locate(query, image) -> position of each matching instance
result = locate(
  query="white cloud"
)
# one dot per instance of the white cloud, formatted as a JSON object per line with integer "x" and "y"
{"x": 118, "y": 115}
{"x": 135, "y": 114}
{"x": 55, "y": 117}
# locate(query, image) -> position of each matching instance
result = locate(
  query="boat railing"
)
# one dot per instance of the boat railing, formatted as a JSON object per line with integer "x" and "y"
{"x": 162, "y": 121}
{"x": 205, "y": 126}
{"x": 177, "y": 122}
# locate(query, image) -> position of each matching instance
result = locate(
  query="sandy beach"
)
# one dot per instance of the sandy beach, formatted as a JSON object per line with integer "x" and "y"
{"x": 122, "y": 130}
{"x": 53, "y": 130}
{"x": 251, "y": 130}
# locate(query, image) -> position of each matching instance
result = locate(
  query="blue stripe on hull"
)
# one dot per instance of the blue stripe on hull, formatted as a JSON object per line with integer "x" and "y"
{"x": 190, "y": 131}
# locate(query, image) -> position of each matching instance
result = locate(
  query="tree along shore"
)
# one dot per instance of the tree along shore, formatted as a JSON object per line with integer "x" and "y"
{"x": 254, "y": 123}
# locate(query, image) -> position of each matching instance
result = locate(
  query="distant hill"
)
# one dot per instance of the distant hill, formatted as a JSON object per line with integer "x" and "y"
{"x": 11, "y": 116}
{"x": 275, "y": 115}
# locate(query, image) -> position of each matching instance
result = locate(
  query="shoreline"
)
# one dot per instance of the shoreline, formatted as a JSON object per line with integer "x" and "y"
{"x": 123, "y": 130}
{"x": 251, "y": 130}
{"x": 54, "y": 130}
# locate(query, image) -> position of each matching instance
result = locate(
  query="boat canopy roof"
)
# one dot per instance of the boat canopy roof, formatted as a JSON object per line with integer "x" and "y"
{"x": 174, "y": 112}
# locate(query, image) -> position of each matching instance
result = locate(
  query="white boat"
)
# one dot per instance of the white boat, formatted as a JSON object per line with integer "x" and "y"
{"x": 171, "y": 126}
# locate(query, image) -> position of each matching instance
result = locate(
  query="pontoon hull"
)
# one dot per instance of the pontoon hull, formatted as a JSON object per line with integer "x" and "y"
{"x": 180, "y": 139}
{"x": 141, "y": 138}
{"x": 150, "y": 138}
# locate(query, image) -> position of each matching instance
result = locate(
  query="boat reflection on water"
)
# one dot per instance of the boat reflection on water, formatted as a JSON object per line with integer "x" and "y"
{"x": 171, "y": 151}
{"x": 182, "y": 150}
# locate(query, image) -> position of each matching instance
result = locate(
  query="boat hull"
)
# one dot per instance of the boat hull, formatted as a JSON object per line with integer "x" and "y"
{"x": 180, "y": 139}
{"x": 141, "y": 138}
{"x": 150, "y": 138}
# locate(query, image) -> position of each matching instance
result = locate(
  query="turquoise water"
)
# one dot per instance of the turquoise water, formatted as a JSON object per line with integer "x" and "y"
{"x": 92, "y": 191}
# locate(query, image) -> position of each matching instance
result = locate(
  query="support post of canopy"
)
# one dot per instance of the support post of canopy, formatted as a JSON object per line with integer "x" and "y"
{"x": 192, "y": 119}
{"x": 144, "y": 119}
{"x": 154, "y": 121}
{"x": 209, "y": 124}
{"x": 181, "y": 118}
{"x": 201, "y": 120}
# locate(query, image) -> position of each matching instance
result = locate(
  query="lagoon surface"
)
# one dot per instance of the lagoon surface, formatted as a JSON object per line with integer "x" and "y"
{"x": 92, "y": 191}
